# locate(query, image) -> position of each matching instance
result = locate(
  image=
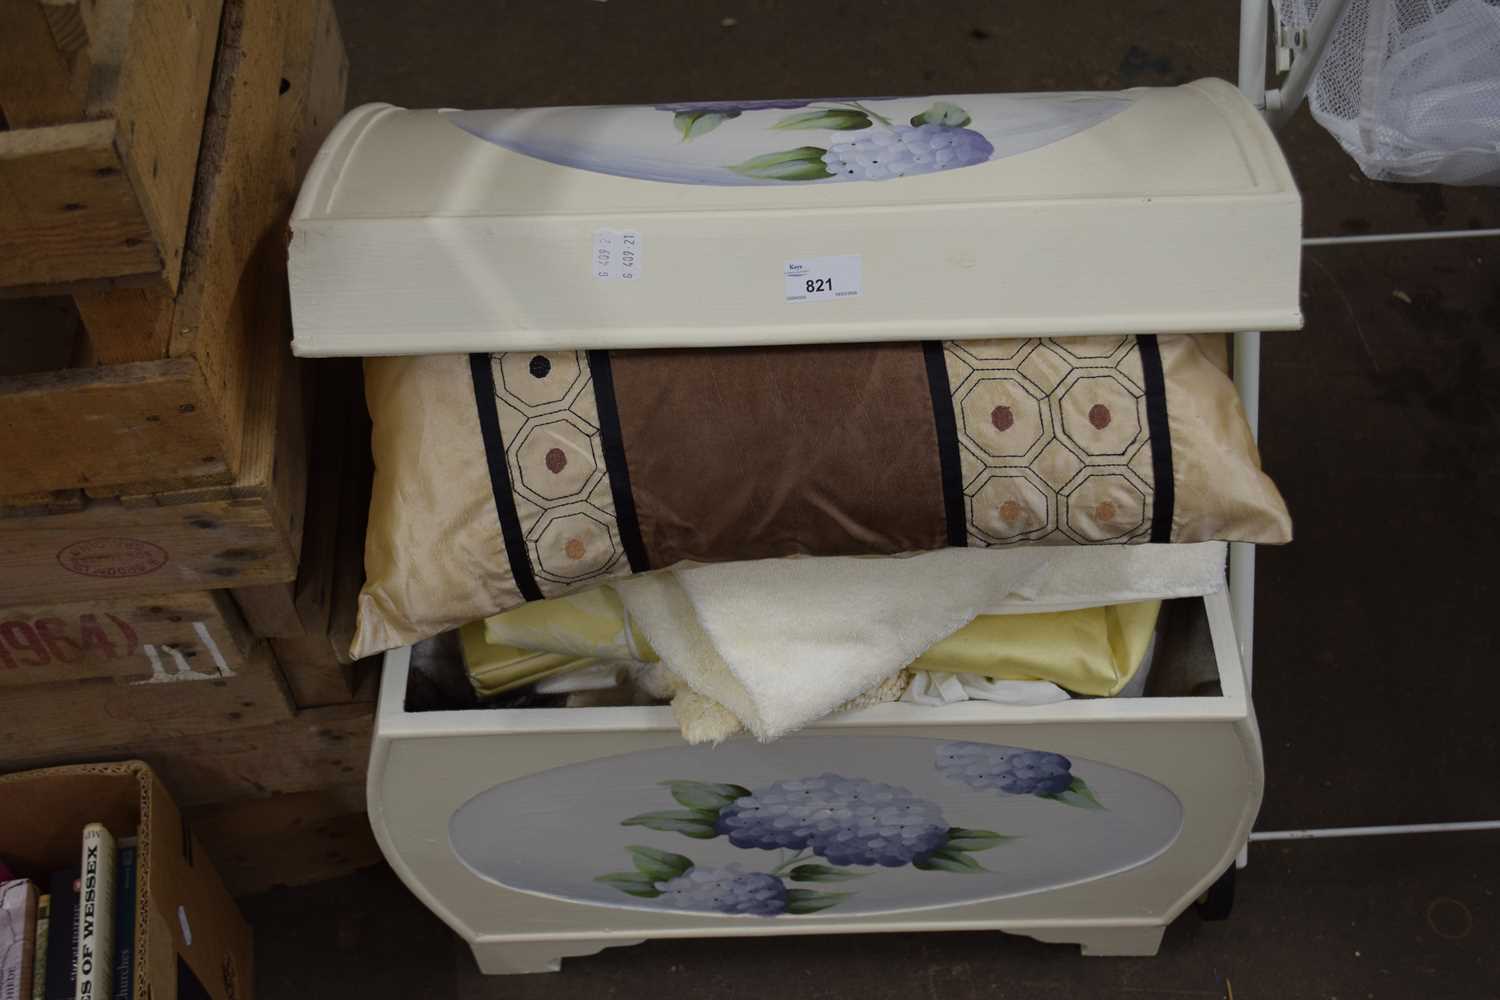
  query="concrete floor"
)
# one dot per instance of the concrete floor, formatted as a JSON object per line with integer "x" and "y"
{"x": 1376, "y": 642}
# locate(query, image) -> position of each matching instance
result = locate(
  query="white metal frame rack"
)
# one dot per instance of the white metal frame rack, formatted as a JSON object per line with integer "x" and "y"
{"x": 1279, "y": 105}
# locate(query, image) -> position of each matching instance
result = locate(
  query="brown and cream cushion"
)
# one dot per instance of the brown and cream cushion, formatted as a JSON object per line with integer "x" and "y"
{"x": 512, "y": 477}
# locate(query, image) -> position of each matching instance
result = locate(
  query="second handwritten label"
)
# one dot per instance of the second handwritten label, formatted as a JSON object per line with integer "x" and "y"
{"x": 617, "y": 254}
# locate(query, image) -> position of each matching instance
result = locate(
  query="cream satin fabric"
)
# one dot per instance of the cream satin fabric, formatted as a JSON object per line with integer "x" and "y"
{"x": 1092, "y": 651}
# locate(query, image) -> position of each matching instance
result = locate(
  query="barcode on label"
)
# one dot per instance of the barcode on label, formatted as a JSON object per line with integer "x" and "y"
{"x": 617, "y": 255}
{"x": 817, "y": 279}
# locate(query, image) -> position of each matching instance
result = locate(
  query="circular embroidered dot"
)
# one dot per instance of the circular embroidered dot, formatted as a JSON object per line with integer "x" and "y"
{"x": 1105, "y": 511}
{"x": 1099, "y": 416}
{"x": 1002, "y": 418}
{"x": 540, "y": 367}
{"x": 575, "y": 549}
{"x": 556, "y": 460}
{"x": 1011, "y": 511}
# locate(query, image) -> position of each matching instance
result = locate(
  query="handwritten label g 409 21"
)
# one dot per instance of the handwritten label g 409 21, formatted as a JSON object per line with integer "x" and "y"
{"x": 617, "y": 255}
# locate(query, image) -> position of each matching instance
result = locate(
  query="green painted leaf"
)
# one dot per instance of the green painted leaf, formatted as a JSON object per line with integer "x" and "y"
{"x": 1081, "y": 788}
{"x": 839, "y": 119}
{"x": 805, "y": 163}
{"x": 962, "y": 857}
{"x": 701, "y": 795}
{"x": 807, "y": 901}
{"x": 822, "y": 873}
{"x": 1078, "y": 795}
{"x": 960, "y": 839}
{"x": 632, "y": 883}
{"x": 942, "y": 113}
{"x": 950, "y": 861}
{"x": 658, "y": 865}
{"x": 689, "y": 822}
{"x": 692, "y": 124}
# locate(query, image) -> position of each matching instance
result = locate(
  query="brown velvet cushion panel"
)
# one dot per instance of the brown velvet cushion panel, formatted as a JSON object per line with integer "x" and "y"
{"x": 516, "y": 476}
{"x": 831, "y": 451}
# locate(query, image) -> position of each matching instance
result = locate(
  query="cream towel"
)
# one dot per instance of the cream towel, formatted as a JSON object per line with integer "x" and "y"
{"x": 781, "y": 643}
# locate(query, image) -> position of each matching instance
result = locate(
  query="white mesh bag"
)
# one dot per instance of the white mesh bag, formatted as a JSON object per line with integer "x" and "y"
{"x": 1411, "y": 88}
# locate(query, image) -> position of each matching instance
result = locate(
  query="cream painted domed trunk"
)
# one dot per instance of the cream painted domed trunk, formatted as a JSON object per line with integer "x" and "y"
{"x": 539, "y": 833}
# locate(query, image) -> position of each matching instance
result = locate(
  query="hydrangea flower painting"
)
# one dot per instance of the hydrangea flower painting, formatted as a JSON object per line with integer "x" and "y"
{"x": 847, "y": 822}
{"x": 782, "y": 142}
{"x": 813, "y": 826}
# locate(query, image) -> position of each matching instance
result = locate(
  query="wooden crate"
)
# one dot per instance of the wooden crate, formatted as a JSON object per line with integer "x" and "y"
{"x": 83, "y": 719}
{"x": 157, "y": 399}
{"x": 314, "y": 671}
{"x": 301, "y": 608}
{"x": 288, "y": 840}
{"x": 354, "y": 520}
{"x": 89, "y": 544}
{"x": 105, "y": 102}
{"x": 69, "y": 546}
{"x": 164, "y": 637}
{"x": 319, "y": 672}
{"x": 310, "y": 621}
{"x": 310, "y": 750}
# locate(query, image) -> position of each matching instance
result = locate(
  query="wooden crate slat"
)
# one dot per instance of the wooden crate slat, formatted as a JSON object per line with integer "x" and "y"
{"x": 316, "y": 69}
{"x": 43, "y": 81}
{"x": 164, "y": 71}
{"x": 288, "y": 840}
{"x": 354, "y": 517}
{"x": 270, "y": 609}
{"x": 133, "y": 638}
{"x": 53, "y": 502}
{"x": 313, "y": 671}
{"x": 69, "y": 21}
{"x": 67, "y": 208}
{"x": 301, "y": 608}
{"x": 367, "y": 679}
{"x": 109, "y": 549}
{"x": 94, "y": 426}
{"x": 257, "y": 517}
{"x": 315, "y": 749}
{"x": 235, "y": 215}
{"x": 58, "y": 720}
{"x": 311, "y": 750}
{"x": 126, "y": 324}
{"x": 108, "y": 198}
{"x": 315, "y": 72}
{"x": 135, "y": 324}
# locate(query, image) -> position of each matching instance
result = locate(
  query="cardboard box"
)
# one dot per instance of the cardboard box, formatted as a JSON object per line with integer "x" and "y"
{"x": 187, "y": 926}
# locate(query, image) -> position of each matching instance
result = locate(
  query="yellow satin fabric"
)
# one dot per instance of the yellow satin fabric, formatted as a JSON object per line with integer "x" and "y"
{"x": 495, "y": 669}
{"x": 588, "y": 623}
{"x": 1092, "y": 651}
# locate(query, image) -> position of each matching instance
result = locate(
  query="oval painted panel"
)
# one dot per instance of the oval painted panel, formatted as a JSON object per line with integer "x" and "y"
{"x": 838, "y": 826}
{"x": 792, "y": 142}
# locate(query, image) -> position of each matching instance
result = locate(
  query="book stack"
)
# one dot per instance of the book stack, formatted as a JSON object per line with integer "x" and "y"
{"x": 70, "y": 934}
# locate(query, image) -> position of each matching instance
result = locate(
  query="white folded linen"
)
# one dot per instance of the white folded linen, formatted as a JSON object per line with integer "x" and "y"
{"x": 781, "y": 643}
